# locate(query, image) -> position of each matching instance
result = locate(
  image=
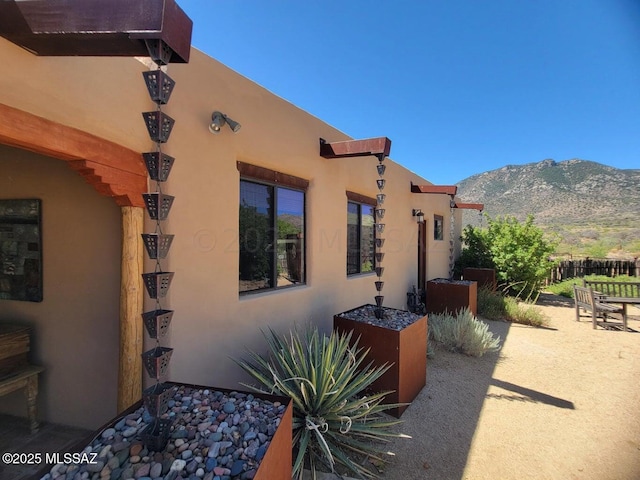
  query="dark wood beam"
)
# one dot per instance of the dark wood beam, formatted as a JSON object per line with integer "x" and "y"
{"x": 96, "y": 27}
{"x": 444, "y": 189}
{"x": 470, "y": 206}
{"x": 355, "y": 148}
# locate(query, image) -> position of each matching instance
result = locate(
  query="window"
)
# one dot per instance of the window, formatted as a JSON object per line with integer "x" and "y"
{"x": 438, "y": 227}
{"x": 271, "y": 236}
{"x": 360, "y": 238}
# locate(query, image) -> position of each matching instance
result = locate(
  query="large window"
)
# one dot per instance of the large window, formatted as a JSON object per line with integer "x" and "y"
{"x": 272, "y": 251}
{"x": 360, "y": 238}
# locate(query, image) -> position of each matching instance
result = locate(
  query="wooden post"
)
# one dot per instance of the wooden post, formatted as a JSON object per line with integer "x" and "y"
{"x": 131, "y": 306}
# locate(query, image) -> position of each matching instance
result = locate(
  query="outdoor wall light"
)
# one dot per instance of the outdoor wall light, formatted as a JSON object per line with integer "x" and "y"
{"x": 218, "y": 119}
{"x": 418, "y": 213}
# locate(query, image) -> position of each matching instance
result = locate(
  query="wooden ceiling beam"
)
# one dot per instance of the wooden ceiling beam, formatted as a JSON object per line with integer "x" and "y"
{"x": 439, "y": 189}
{"x": 380, "y": 146}
{"x": 470, "y": 206}
{"x": 96, "y": 28}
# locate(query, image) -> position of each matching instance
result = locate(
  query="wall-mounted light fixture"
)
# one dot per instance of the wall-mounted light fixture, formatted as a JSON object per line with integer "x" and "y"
{"x": 218, "y": 119}
{"x": 418, "y": 213}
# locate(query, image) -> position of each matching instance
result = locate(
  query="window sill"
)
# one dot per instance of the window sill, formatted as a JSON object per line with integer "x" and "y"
{"x": 361, "y": 275}
{"x": 272, "y": 291}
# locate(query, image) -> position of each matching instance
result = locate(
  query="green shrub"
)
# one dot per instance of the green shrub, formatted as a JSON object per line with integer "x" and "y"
{"x": 517, "y": 251}
{"x": 333, "y": 421}
{"x": 463, "y": 333}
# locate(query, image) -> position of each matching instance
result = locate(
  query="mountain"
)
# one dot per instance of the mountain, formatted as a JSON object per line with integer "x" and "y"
{"x": 586, "y": 204}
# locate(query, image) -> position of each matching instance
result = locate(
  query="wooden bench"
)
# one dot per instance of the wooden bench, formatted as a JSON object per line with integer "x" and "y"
{"x": 27, "y": 378}
{"x": 622, "y": 293}
{"x": 15, "y": 370}
{"x": 587, "y": 299}
{"x": 614, "y": 289}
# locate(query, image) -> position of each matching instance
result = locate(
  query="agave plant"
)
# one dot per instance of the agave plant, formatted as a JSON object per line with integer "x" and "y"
{"x": 333, "y": 420}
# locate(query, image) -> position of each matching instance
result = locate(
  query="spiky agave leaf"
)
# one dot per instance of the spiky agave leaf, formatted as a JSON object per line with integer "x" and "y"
{"x": 325, "y": 376}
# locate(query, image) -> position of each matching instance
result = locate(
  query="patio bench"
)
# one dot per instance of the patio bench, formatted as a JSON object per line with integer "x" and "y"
{"x": 587, "y": 299}
{"x": 614, "y": 289}
{"x": 623, "y": 293}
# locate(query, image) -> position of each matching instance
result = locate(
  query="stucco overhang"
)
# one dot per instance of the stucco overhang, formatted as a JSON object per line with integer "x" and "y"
{"x": 96, "y": 27}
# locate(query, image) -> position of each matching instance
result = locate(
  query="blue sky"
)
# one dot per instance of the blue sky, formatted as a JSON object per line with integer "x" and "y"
{"x": 459, "y": 86}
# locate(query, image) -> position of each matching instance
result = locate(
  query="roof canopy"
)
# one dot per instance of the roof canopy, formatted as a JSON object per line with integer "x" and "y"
{"x": 96, "y": 27}
{"x": 446, "y": 189}
{"x": 380, "y": 147}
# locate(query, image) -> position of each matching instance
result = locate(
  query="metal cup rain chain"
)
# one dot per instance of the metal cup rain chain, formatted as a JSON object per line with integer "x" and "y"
{"x": 379, "y": 240}
{"x": 452, "y": 235}
{"x": 157, "y": 245}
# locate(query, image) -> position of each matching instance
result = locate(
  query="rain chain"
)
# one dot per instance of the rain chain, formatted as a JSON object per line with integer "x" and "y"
{"x": 157, "y": 244}
{"x": 452, "y": 236}
{"x": 379, "y": 241}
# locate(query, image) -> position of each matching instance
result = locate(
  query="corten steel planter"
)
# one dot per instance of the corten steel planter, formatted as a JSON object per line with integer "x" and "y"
{"x": 445, "y": 295}
{"x": 275, "y": 465}
{"x": 405, "y": 350}
{"x": 486, "y": 277}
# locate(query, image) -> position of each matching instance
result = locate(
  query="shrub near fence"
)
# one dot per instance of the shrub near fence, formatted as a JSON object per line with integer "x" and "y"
{"x": 591, "y": 266}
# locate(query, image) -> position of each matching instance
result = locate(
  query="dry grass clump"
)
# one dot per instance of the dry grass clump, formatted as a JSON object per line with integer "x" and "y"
{"x": 496, "y": 306}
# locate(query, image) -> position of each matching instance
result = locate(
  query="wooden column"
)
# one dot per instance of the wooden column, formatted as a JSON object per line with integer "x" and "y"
{"x": 131, "y": 306}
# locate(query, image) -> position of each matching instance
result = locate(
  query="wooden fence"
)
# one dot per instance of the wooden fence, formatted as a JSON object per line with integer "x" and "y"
{"x": 594, "y": 266}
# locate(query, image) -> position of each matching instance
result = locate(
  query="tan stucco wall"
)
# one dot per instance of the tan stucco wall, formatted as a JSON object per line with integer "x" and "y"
{"x": 75, "y": 327}
{"x": 212, "y": 322}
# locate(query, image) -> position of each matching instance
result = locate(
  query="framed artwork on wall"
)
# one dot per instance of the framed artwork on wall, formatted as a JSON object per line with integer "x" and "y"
{"x": 21, "y": 250}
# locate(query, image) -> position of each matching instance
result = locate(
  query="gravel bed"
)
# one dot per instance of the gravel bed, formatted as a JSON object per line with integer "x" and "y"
{"x": 393, "y": 319}
{"x": 453, "y": 282}
{"x": 215, "y": 436}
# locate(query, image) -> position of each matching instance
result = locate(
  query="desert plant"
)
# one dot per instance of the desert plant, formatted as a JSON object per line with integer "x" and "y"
{"x": 491, "y": 304}
{"x": 524, "y": 313}
{"x": 333, "y": 421}
{"x": 463, "y": 333}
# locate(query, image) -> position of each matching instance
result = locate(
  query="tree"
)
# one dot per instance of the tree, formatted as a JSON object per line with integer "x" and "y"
{"x": 518, "y": 252}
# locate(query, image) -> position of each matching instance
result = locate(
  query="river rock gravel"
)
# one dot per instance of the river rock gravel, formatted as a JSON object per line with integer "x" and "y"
{"x": 215, "y": 435}
{"x": 393, "y": 319}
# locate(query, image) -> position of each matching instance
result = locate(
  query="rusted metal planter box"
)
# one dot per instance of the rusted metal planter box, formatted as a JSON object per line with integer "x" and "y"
{"x": 486, "y": 277}
{"x": 451, "y": 295}
{"x": 277, "y": 463}
{"x": 405, "y": 350}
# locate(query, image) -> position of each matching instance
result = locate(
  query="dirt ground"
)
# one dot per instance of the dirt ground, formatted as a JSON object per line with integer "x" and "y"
{"x": 561, "y": 402}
